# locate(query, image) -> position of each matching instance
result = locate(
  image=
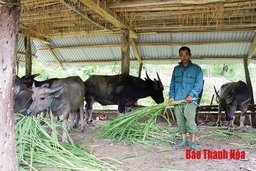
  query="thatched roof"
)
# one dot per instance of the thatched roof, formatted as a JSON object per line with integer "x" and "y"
{"x": 48, "y": 21}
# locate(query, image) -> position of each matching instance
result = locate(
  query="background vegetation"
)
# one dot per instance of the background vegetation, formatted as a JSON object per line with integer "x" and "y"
{"x": 214, "y": 75}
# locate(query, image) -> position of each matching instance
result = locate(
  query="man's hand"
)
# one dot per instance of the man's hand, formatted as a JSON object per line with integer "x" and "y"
{"x": 171, "y": 100}
{"x": 189, "y": 99}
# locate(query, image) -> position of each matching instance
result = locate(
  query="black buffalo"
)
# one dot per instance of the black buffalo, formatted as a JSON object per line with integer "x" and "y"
{"x": 22, "y": 96}
{"x": 122, "y": 90}
{"x": 28, "y": 80}
{"x": 233, "y": 96}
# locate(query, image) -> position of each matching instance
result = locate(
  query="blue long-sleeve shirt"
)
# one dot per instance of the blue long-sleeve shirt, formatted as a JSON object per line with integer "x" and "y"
{"x": 186, "y": 81}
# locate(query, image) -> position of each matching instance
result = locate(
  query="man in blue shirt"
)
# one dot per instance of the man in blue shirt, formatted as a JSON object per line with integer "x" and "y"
{"x": 186, "y": 84}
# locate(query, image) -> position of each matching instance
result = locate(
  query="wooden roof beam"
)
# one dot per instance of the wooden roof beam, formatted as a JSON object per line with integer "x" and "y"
{"x": 135, "y": 50}
{"x": 252, "y": 48}
{"x": 172, "y": 4}
{"x": 140, "y": 3}
{"x": 165, "y": 60}
{"x": 109, "y": 15}
{"x": 149, "y": 44}
{"x": 23, "y": 54}
{"x": 54, "y": 56}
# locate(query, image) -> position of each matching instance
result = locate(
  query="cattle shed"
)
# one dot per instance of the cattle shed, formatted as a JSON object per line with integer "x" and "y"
{"x": 86, "y": 32}
{"x": 110, "y": 32}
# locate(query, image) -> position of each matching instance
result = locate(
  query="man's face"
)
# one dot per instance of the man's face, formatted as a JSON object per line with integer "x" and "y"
{"x": 184, "y": 57}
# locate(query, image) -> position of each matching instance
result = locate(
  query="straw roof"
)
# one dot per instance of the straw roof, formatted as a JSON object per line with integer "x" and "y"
{"x": 46, "y": 20}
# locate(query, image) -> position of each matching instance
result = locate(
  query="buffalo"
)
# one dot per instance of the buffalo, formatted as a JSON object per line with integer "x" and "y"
{"x": 28, "y": 80}
{"x": 23, "y": 92}
{"x": 65, "y": 96}
{"x": 233, "y": 96}
{"x": 19, "y": 85}
{"x": 122, "y": 90}
{"x": 22, "y": 96}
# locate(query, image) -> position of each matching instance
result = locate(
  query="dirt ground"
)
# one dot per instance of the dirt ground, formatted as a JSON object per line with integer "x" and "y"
{"x": 162, "y": 157}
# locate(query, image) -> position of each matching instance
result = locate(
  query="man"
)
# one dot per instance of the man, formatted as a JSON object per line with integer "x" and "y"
{"x": 186, "y": 84}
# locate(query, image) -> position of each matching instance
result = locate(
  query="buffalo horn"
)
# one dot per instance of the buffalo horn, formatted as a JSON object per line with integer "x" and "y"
{"x": 53, "y": 90}
{"x": 32, "y": 77}
{"x": 147, "y": 76}
{"x": 217, "y": 95}
{"x": 160, "y": 82}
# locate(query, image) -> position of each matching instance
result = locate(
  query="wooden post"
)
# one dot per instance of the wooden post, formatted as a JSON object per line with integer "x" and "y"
{"x": 28, "y": 56}
{"x": 9, "y": 17}
{"x": 125, "y": 48}
{"x": 17, "y": 67}
{"x": 249, "y": 84}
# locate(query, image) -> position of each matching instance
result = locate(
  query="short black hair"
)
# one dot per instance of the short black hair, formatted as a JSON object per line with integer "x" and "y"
{"x": 185, "y": 48}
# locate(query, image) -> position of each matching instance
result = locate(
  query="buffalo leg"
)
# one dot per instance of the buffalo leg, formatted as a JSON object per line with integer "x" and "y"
{"x": 242, "y": 117}
{"x": 128, "y": 109}
{"x": 89, "y": 119}
{"x": 64, "y": 134}
{"x": 231, "y": 124}
{"x": 121, "y": 108}
{"x": 219, "y": 114}
{"x": 64, "y": 126}
{"x": 81, "y": 110}
{"x": 72, "y": 118}
{"x": 88, "y": 111}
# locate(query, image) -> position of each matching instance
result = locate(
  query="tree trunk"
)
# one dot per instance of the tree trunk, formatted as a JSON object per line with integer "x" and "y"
{"x": 9, "y": 17}
{"x": 125, "y": 48}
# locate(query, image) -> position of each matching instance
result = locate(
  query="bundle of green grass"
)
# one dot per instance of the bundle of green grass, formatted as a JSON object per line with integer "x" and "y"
{"x": 38, "y": 150}
{"x": 140, "y": 125}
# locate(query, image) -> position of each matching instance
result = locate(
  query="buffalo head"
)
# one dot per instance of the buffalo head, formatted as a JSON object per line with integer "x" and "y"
{"x": 19, "y": 85}
{"x": 157, "y": 94}
{"x": 225, "y": 97}
{"x": 29, "y": 79}
{"x": 43, "y": 97}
